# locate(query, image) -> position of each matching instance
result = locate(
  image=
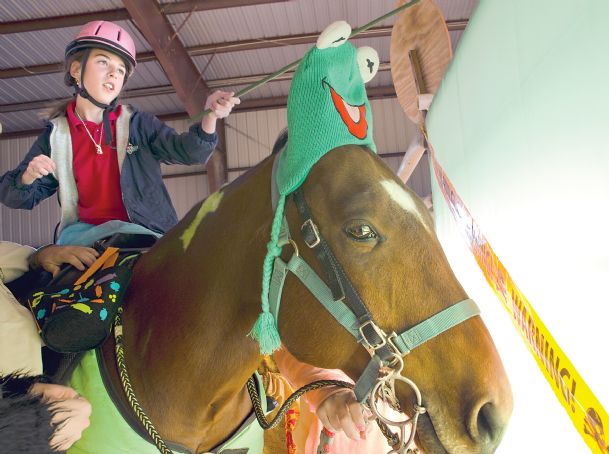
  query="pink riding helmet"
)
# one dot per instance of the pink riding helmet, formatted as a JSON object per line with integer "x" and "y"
{"x": 106, "y": 35}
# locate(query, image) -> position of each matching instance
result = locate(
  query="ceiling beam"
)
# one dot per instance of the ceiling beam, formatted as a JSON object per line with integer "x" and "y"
{"x": 250, "y": 105}
{"x": 209, "y": 49}
{"x": 162, "y": 90}
{"x": 48, "y": 23}
{"x": 169, "y": 50}
{"x": 181, "y": 71}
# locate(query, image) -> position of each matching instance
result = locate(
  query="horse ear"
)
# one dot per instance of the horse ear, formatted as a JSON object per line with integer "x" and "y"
{"x": 368, "y": 62}
{"x": 334, "y": 35}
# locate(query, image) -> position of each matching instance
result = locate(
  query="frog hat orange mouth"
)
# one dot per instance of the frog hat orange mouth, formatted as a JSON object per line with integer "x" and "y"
{"x": 354, "y": 117}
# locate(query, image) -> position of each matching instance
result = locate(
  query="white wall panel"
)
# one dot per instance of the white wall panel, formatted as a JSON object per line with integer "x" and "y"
{"x": 186, "y": 192}
{"x": 250, "y": 136}
{"x": 393, "y": 131}
{"x": 33, "y": 227}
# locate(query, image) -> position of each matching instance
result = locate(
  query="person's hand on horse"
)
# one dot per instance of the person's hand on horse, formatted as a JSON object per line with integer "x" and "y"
{"x": 70, "y": 411}
{"x": 38, "y": 167}
{"x": 342, "y": 412}
{"x": 52, "y": 257}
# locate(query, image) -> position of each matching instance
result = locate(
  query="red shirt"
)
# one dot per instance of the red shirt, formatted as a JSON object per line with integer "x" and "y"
{"x": 97, "y": 175}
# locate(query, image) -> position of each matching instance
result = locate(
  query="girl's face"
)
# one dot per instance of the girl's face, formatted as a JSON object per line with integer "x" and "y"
{"x": 104, "y": 76}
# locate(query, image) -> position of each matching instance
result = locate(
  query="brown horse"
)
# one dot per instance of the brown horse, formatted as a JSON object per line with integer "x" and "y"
{"x": 189, "y": 310}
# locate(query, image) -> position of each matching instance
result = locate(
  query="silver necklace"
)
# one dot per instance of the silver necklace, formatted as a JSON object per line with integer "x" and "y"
{"x": 98, "y": 147}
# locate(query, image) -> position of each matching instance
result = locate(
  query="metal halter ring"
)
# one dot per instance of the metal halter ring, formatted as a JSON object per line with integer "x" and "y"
{"x": 389, "y": 381}
{"x": 294, "y": 245}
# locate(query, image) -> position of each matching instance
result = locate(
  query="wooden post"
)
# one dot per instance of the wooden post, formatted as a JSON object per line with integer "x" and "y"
{"x": 412, "y": 157}
{"x": 417, "y": 147}
{"x": 217, "y": 173}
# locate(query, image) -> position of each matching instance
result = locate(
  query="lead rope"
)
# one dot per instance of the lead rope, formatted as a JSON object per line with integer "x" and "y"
{"x": 251, "y": 388}
{"x": 257, "y": 404}
{"x": 135, "y": 405}
{"x": 392, "y": 439}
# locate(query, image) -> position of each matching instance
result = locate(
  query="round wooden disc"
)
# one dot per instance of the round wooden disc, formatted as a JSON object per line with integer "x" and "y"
{"x": 421, "y": 28}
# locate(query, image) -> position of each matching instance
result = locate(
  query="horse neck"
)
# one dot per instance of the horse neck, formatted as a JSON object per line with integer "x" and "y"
{"x": 191, "y": 307}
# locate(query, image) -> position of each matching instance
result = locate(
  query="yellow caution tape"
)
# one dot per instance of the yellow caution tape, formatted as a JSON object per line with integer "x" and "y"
{"x": 578, "y": 400}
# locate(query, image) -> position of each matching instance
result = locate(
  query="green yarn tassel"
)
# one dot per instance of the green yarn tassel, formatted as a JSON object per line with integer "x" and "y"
{"x": 265, "y": 329}
{"x": 266, "y": 333}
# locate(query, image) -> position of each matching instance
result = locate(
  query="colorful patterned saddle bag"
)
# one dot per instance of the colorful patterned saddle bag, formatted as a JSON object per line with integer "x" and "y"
{"x": 79, "y": 316}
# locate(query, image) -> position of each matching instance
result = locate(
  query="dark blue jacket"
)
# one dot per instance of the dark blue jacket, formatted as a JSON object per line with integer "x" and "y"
{"x": 150, "y": 142}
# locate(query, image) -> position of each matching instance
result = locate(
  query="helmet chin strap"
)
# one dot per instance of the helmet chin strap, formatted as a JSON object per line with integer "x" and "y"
{"x": 107, "y": 108}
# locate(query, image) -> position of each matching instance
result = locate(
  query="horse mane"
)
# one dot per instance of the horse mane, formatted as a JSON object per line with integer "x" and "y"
{"x": 280, "y": 142}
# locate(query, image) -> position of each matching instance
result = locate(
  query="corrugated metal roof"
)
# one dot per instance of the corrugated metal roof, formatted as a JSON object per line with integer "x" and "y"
{"x": 51, "y": 86}
{"x": 22, "y": 89}
{"x": 20, "y": 121}
{"x": 277, "y": 19}
{"x": 206, "y": 27}
{"x": 18, "y": 10}
{"x": 48, "y": 46}
{"x": 34, "y": 48}
{"x": 456, "y": 9}
{"x": 455, "y": 37}
{"x": 160, "y": 104}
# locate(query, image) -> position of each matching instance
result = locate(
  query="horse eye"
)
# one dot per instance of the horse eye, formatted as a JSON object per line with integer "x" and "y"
{"x": 362, "y": 232}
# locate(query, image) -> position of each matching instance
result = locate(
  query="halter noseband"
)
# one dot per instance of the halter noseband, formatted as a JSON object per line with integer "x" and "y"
{"x": 341, "y": 299}
{"x": 344, "y": 303}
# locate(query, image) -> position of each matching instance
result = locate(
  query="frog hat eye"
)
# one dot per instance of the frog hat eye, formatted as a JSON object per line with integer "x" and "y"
{"x": 368, "y": 62}
{"x": 334, "y": 35}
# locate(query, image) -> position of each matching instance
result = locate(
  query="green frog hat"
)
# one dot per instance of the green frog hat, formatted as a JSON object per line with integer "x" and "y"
{"x": 327, "y": 108}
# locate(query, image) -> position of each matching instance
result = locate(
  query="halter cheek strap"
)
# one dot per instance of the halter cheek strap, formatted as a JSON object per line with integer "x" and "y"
{"x": 342, "y": 301}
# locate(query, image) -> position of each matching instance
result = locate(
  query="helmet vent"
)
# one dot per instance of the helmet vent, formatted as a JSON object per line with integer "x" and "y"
{"x": 118, "y": 36}
{"x": 97, "y": 29}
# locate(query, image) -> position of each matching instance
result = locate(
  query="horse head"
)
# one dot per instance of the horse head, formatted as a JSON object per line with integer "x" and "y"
{"x": 383, "y": 237}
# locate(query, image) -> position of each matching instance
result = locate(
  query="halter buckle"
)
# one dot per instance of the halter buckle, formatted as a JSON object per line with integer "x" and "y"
{"x": 311, "y": 229}
{"x": 379, "y": 332}
{"x": 396, "y": 350}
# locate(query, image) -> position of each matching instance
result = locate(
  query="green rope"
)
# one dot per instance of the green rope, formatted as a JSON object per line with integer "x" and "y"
{"x": 265, "y": 329}
{"x": 292, "y": 65}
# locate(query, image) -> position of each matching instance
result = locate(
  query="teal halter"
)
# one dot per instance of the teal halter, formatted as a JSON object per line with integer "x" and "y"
{"x": 342, "y": 301}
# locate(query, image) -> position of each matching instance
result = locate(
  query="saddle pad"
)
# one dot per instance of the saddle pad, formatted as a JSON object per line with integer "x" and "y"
{"x": 109, "y": 433}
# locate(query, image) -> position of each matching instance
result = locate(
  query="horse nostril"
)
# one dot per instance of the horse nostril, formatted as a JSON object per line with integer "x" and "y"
{"x": 487, "y": 425}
